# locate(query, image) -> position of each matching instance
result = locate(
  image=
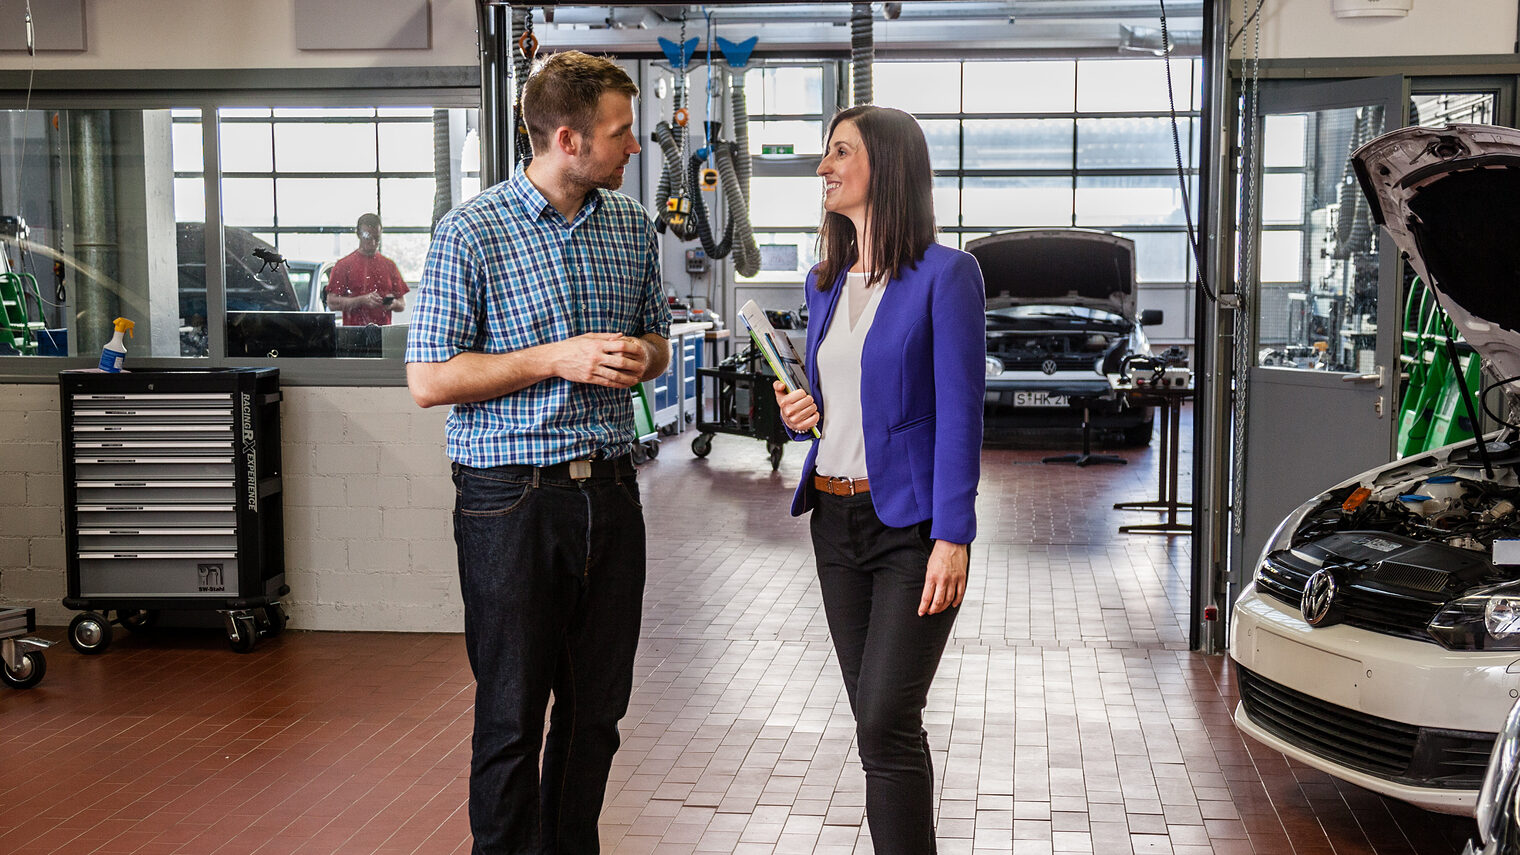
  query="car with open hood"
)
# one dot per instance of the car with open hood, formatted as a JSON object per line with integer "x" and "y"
{"x": 1379, "y": 640}
{"x": 1060, "y": 323}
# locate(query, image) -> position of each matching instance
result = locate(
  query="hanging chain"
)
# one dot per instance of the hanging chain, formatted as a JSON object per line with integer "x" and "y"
{"x": 1246, "y": 279}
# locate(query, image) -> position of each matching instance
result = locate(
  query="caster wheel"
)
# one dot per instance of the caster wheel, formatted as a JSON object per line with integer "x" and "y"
{"x": 702, "y": 445}
{"x": 33, "y": 666}
{"x": 90, "y": 633}
{"x": 277, "y": 620}
{"x": 640, "y": 454}
{"x": 652, "y": 448}
{"x": 775, "y": 450}
{"x": 136, "y": 620}
{"x": 246, "y": 636}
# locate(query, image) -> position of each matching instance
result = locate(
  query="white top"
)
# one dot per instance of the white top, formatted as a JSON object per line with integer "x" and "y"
{"x": 842, "y": 450}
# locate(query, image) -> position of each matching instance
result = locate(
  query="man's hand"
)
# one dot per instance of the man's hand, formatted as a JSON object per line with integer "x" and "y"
{"x": 945, "y": 581}
{"x": 372, "y": 298}
{"x": 602, "y": 359}
{"x": 798, "y": 410}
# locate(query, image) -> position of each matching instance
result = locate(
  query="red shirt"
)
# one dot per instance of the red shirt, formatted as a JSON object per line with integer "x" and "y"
{"x": 357, "y": 274}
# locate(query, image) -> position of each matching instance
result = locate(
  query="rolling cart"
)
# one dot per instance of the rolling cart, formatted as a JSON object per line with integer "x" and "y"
{"x": 743, "y": 404}
{"x": 21, "y": 661}
{"x": 172, "y": 500}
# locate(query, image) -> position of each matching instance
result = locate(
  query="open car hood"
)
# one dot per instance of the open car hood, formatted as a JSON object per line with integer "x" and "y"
{"x": 1058, "y": 267}
{"x": 1450, "y": 198}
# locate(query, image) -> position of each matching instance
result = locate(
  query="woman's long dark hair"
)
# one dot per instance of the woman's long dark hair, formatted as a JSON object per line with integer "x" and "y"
{"x": 899, "y": 197}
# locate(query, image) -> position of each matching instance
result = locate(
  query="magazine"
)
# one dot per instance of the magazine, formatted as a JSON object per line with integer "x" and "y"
{"x": 776, "y": 348}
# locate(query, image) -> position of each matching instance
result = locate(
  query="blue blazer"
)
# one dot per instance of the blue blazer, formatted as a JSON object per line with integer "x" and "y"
{"x": 923, "y": 381}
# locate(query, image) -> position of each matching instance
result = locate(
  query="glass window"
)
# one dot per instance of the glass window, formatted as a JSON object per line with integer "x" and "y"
{"x": 1021, "y": 87}
{"x": 784, "y": 256}
{"x": 1132, "y": 200}
{"x": 1133, "y": 143}
{"x": 1018, "y": 143}
{"x": 96, "y": 191}
{"x": 1284, "y": 139}
{"x": 1161, "y": 256}
{"x": 797, "y": 137}
{"x": 947, "y": 201}
{"x": 783, "y": 91}
{"x": 1132, "y": 85}
{"x": 119, "y": 195}
{"x": 944, "y": 139}
{"x": 785, "y": 202}
{"x": 1282, "y": 198}
{"x": 1006, "y": 202}
{"x": 917, "y": 87}
{"x": 325, "y": 147}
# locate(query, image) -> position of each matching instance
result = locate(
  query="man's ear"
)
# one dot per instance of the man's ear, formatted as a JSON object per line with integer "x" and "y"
{"x": 567, "y": 140}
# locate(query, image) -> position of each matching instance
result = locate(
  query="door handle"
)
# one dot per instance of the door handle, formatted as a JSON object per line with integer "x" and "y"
{"x": 1375, "y": 378}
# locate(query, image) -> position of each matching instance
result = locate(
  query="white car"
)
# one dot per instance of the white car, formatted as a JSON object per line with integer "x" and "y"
{"x": 1380, "y": 638}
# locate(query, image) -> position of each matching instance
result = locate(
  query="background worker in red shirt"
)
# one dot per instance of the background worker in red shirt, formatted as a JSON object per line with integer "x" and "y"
{"x": 365, "y": 285}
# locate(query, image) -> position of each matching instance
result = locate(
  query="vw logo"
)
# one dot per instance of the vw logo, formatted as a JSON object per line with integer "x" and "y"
{"x": 1048, "y": 366}
{"x": 1319, "y": 599}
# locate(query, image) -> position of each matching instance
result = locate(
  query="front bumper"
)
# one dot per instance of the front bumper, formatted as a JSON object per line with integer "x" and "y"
{"x": 1436, "y": 697}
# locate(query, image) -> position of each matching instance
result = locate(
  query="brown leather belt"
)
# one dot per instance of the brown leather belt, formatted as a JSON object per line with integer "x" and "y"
{"x": 841, "y": 486}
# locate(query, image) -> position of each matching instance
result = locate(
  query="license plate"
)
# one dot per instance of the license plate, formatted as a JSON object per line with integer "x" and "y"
{"x": 1039, "y": 399}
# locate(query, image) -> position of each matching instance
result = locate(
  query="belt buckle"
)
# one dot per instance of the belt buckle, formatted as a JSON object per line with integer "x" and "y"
{"x": 849, "y": 482}
{"x": 580, "y": 470}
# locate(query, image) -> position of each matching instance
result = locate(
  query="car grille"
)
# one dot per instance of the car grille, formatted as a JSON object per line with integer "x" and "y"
{"x": 1405, "y": 615}
{"x": 1407, "y": 754}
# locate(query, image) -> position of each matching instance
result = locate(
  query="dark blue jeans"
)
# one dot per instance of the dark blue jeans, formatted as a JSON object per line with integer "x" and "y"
{"x": 552, "y": 573}
{"x": 872, "y": 578}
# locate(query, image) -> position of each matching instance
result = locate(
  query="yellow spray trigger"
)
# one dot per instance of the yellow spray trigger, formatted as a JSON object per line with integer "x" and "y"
{"x": 124, "y": 325}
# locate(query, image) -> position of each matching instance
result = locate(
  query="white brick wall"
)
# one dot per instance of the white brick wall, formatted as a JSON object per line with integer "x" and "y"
{"x": 368, "y": 538}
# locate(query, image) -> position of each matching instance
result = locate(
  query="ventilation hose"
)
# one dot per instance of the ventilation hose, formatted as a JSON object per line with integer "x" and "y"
{"x": 713, "y": 249}
{"x": 862, "y": 48}
{"x": 746, "y": 252}
{"x": 740, "y": 110}
{"x": 443, "y": 185}
{"x": 670, "y": 183}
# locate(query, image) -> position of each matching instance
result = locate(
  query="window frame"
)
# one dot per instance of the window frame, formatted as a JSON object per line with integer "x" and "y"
{"x": 210, "y": 91}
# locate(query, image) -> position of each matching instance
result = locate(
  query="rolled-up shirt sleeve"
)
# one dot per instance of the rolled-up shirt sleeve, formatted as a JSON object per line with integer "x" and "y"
{"x": 446, "y": 309}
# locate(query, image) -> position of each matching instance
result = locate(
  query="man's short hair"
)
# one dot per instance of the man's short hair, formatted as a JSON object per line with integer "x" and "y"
{"x": 368, "y": 221}
{"x": 565, "y": 91}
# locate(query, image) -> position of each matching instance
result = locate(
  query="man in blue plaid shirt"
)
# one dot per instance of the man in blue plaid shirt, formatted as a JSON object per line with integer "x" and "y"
{"x": 539, "y": 306}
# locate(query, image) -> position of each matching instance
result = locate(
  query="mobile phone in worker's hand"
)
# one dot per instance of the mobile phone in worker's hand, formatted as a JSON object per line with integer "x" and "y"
{"x": 388, "y": 299}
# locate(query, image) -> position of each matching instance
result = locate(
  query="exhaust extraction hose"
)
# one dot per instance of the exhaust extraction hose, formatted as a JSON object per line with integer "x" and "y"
{"x": 736, "y": 196}
{"x": 862, "y": 49}
{"x": 713, "y": 249}
{"x": 670, "y": 184}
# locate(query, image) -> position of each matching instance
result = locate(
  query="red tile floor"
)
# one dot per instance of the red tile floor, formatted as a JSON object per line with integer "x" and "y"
{"x": 1068, "y": 715}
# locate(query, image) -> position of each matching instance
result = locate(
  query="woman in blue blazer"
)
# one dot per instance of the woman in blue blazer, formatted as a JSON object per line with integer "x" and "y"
{"x": 896, "y": 361}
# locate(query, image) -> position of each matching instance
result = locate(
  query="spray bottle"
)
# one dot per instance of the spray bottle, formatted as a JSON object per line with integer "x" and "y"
{"x": 114, "y": 355}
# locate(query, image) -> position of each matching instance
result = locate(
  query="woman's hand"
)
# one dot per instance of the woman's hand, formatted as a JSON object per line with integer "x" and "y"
{"x": 798, "y": 411}
{"x": 945, "y": 582}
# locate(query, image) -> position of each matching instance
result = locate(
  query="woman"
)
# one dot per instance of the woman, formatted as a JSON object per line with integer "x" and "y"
{"x": 896, "y": 359}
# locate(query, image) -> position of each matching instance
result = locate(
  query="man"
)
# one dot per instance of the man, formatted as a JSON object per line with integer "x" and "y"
{"x": 365, "y": 285}
{"x": 539, "y": 306}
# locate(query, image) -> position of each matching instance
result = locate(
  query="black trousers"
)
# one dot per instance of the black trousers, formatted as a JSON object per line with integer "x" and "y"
{"x": 872, "y": 576}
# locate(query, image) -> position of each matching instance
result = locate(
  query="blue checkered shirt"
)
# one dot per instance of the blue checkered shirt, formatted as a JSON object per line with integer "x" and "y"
{"x": 505, "y": 272}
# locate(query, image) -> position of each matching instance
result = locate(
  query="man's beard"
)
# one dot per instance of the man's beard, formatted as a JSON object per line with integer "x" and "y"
{"x": 585, "y": 179}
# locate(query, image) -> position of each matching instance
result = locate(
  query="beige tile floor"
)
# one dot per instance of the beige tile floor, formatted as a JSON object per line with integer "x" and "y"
{"x": 1067, "y": 716}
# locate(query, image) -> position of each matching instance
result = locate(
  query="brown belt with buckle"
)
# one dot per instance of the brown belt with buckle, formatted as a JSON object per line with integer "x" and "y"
{"x": 841, "y": 486}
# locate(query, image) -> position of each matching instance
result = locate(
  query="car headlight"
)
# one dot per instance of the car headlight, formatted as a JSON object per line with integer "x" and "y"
{"x": 994, "y": 366}
{"x": 1496, "y": 798}
{"x": 1282, "y": 536}
{"x": 1489, "y": 620}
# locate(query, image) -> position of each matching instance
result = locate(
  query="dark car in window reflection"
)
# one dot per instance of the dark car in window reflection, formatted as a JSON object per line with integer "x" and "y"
{"x": 252, "y": 285}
